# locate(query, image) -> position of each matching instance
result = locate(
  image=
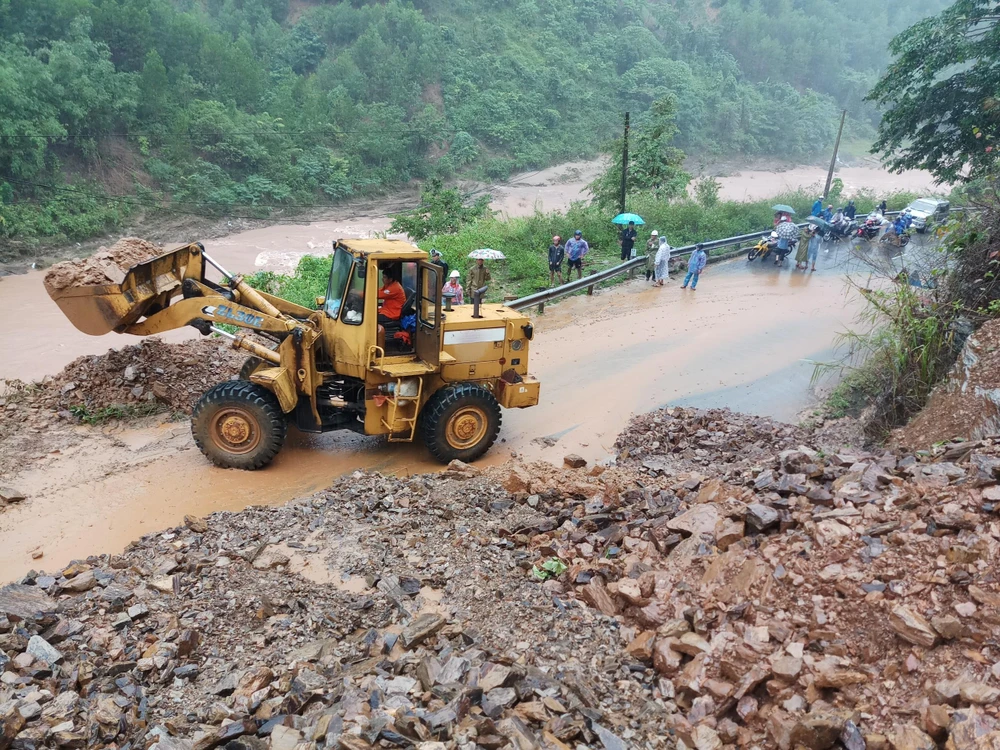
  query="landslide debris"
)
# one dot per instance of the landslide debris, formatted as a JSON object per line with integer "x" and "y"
{"x": 725, "y": 583}
{"x": 150, "y": 372}
{"x": 967, "y": 404}
{"x": 107, "y": 266}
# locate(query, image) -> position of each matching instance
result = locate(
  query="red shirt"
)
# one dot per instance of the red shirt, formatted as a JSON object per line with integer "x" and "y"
{"x": 393, "y": 298}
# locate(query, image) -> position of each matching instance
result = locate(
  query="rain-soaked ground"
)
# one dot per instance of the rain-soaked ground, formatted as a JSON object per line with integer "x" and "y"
{"x": 746, "y": 339}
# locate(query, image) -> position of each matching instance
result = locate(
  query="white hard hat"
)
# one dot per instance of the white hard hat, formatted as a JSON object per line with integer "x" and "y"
{"x": 454, "y": 275}
{"x": 656, "y": 232}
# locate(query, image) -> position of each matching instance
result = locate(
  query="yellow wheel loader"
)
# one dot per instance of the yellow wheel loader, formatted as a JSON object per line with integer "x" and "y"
{"x": 429, "y": 371}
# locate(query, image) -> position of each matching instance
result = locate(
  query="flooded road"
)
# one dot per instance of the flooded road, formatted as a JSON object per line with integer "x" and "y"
{"x": 744, "y": 339}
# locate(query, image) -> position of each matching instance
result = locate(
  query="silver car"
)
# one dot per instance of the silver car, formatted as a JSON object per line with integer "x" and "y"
{"x": 927, "y": 212}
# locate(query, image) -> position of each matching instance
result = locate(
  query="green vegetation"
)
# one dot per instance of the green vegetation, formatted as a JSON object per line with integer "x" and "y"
{"x": 116, "y": 412}
{"x": 942, "y": 94}
{"x": 241, "y": 107}
{"x": 524, "y": 240}
{"x": 441, "y": 211}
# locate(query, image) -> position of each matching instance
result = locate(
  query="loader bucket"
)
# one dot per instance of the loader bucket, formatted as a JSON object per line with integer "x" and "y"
{"x": 146, "y": 288}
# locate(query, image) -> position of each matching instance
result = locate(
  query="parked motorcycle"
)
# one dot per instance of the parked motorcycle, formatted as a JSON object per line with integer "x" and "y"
{"x": 842, "y": 232}
{"x": 763, "y": 247}
{"x": 869, "y": 230}
{"x": 767, "y": 245}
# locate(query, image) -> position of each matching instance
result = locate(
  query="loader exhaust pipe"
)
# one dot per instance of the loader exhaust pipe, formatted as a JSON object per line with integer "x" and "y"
{"x": 477, "y": 299}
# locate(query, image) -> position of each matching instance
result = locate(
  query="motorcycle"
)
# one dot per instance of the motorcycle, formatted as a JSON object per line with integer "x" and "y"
{"x": 869, "y": 230}
{"x": 763, "y": 247}
{"x": 842, "y": 232}
{"x": 890, "y": 238}
{"x": 766, "y": 245}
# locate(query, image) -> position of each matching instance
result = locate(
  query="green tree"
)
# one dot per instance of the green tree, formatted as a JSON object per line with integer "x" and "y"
{"x": 441, "y": 211}
{"x": 655, "y": 166}
{"x": 942, "y": 94}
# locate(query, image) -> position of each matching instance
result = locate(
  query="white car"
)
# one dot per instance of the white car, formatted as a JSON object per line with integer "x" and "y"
{"x": 927, "y": 212}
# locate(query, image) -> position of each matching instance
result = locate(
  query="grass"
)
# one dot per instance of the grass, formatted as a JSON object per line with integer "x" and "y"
{"x": 115, "y": 412}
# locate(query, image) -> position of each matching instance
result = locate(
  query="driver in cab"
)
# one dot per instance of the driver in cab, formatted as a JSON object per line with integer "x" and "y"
{"x": 391, "y": 295}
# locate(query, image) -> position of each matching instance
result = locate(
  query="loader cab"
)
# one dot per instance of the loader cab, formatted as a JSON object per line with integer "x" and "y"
{"x": 357, "y": 329}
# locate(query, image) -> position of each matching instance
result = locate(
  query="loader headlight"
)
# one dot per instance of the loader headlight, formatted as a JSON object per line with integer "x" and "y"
{"x": 529, "y": 331}
{"x": 517, "y": 344}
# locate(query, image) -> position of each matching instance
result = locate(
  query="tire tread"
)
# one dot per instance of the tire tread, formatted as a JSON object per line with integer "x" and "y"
{"x": 435, "y": 410}
{"x": 275, "y": 426}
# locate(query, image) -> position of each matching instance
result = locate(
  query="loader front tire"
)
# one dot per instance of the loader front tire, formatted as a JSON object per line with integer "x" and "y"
{"x": 460, "y": 422}
{"x": 250, "y": 367}
{"x": 239, "y": 425}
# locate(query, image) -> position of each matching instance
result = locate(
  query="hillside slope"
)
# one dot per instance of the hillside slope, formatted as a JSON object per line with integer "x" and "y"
{"x": 234, "y": 106}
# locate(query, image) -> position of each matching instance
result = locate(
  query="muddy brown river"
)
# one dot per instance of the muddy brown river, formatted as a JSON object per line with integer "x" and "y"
{"x": 745, "y": 339}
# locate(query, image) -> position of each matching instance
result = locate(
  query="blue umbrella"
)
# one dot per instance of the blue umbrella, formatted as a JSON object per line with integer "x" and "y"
{"x": 626, "y": 218}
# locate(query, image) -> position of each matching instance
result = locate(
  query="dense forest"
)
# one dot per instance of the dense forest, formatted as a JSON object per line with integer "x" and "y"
{"x": 235, "y": 106}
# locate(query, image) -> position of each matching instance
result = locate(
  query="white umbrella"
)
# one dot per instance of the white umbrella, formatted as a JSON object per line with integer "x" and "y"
{"x": 487, "y": 254}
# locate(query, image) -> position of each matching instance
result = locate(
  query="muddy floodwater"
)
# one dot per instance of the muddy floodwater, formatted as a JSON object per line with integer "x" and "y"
{"x": 746, "y": 339}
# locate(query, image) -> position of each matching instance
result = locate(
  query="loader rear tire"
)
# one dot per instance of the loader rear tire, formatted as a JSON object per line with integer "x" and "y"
{"x": 239, "y": 425}
{"x": 460, "y": 422}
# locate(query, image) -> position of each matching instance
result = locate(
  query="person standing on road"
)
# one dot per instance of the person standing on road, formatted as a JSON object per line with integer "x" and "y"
{"x": 626, "y": 240}
{"x": 801, "y": 253}
{"x": 817, "y": 208}
{"x": 814, "y": 242}
{"x": 696, "y": 264}
{"x": 454, "y": 286}
{"x": 652, "y": 245}
{"x": 557, "y": 251}
{"x": 663, "y": 262}
{"x": 437, "y": 260}
{"x": 882, "y": 207}
{"x": 576, "y": 249}
{"x": 478, "y": 277}
{"x": 851, "y": 211}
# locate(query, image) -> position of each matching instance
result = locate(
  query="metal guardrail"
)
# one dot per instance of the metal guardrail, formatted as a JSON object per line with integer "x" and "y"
{"x": 589, "y": 282}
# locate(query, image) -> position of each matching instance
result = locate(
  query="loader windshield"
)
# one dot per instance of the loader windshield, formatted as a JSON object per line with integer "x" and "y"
{"x": 339, "y": 273}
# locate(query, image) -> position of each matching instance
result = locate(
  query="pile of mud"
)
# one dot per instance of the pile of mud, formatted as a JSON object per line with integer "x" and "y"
{"x": 724, "y": 584}
{"x": 967, "y": 405}
{"x": 151, "y": 372}
{"x": 107, "y": 266}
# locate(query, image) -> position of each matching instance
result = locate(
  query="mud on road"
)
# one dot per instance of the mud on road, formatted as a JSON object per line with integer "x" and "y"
{"x": 746, "y": 338}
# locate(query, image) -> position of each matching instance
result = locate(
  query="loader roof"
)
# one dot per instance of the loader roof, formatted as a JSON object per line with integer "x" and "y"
{"x": 396, "y": 248}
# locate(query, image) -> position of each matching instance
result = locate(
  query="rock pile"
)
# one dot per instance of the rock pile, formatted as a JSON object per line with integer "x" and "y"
{"x": 967, "y": 404}
{"x": 174, "y": 375}
{"x": 775, "y": 595}
{"x": 107, "y": 266}
{"x": 381, "y": 613}
{"x": 723, "y": 584}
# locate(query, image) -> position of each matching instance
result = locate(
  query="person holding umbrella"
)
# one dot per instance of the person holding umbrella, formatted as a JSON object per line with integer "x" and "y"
{"x": 626, "y": 240}
{"x": 787, "y": 232}
{"x": 479, "y": 275}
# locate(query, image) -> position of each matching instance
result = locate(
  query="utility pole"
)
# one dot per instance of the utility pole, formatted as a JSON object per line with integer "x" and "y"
{"x": 621, "y": 202}
{"x": 833, "y": 161}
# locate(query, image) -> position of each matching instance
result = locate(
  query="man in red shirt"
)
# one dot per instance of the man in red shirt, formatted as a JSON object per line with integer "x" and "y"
{"x": 392, "y": 295}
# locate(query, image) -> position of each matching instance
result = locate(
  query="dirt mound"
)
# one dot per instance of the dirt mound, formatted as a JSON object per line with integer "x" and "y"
{"x": 107, "y": 266}
{"x": 151, "y": 372}
{"x": 967, "y": 404}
